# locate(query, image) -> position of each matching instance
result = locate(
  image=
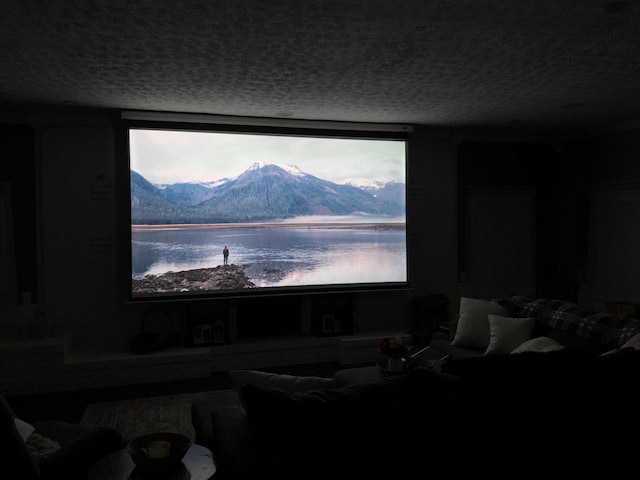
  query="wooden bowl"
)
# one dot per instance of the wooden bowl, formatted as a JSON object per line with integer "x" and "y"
{"x": 179, "y": 446}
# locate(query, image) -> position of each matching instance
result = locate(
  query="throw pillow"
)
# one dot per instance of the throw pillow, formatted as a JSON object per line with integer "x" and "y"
{"x": 508, "y": 333}
{"x": 473, "y": 322}
{"x": 539, "y": 344}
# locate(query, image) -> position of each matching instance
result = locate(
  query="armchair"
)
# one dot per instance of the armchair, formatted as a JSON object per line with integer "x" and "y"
{"x": 51, "y": 450}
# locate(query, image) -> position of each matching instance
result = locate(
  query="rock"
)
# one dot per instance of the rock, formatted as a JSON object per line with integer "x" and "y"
{"x": 227, "y": 277}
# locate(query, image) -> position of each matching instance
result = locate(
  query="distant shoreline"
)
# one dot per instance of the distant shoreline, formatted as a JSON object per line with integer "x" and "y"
{"x": 181, "y": 226}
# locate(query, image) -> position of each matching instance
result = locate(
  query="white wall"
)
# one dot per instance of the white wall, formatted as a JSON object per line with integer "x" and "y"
{"x": 8, "y": 279}
{"x": 79, "y": 239}
{"x": 79, "y": 280}
{"x": 79, "y": 258}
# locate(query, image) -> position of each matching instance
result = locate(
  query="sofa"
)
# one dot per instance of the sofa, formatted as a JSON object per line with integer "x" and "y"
{"x": 50, "y": 449}
{"x": 500, "y": 325}
{"x": 518, "y": 404}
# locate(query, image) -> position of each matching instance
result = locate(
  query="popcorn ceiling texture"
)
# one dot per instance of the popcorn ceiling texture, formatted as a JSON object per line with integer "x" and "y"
{"x": 462, "y": 63}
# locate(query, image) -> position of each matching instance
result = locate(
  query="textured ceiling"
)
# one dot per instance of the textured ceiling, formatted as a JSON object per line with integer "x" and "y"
{"x": 469, "y": 63}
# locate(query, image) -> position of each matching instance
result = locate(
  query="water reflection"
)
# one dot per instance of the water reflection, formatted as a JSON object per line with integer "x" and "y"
{"x": 303, "y": 256}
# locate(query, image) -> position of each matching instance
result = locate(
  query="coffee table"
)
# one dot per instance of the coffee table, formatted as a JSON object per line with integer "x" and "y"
{"x": 197, "y": 464}
{"x": 355, "y": 375}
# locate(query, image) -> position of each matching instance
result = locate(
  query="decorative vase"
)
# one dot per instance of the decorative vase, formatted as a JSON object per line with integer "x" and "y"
{"x": 395, "y": 364}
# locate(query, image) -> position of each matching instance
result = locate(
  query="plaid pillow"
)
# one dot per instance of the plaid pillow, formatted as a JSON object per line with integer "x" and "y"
{"x": 598, "y": 327}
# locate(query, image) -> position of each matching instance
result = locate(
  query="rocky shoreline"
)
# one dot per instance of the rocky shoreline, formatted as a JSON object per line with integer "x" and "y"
{"x": 227, "y": 277}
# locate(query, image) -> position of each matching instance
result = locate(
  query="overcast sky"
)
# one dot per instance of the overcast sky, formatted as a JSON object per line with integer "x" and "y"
{"x": 173, "y": 156}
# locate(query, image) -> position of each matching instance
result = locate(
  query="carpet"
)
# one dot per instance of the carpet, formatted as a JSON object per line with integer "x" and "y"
{"x": 169, "y": 413}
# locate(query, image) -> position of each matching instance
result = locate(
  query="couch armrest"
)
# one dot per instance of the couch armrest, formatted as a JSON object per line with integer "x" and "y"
{"x": 232, "y": 443}
{"x": 356, "y": 375}
{"x": 81, "y": 447}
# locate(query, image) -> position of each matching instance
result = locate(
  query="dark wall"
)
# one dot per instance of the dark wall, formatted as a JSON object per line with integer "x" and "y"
{"x": 269, "y": 316}
{"x": 17, "y": 166}
{"x": 534, "y": 165}
{"x": 615, "y": 157}
{"x": 575, "y": 186}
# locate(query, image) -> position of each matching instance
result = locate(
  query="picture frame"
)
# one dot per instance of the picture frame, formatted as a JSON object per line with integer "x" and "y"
{"x": 328, "y": 320}
{"x": 202, "y": 334}
{"x": 332, "y": 315}
{"x": 218, "y": 332}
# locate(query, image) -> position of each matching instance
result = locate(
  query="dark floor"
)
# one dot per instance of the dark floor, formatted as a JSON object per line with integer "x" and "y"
{"x": 70, "y": 406}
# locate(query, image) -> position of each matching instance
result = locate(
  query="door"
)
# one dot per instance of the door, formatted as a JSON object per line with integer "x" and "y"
{"x": 499, "y": 251}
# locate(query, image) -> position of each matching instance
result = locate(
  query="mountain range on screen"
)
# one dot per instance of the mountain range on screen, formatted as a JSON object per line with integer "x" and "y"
{"x": 262, "y": 193}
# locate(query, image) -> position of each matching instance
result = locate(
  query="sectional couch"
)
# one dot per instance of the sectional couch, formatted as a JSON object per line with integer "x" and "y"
{"x": 519, "y": 403}
{"x": 502, "y": 324}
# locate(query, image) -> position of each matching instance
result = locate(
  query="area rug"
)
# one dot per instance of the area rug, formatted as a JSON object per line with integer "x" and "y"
{"x": 169, "y": 413}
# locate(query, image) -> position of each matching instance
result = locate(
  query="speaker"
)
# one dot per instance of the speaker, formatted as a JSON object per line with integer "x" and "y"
{"x": 428, "y": 313}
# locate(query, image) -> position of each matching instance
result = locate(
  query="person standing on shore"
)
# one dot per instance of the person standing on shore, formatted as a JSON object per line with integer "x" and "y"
{"x": 225, "y": 254}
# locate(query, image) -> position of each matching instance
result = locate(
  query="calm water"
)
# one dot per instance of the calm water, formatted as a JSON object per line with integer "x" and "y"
{"x": 305, "y": 256}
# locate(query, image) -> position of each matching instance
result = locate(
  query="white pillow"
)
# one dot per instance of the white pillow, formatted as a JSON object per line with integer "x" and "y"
{"x": 508, "y": 333}
{"x": 24, "y": 429}
{"x": 473, "y": 322}
{"x": 633, "y": 342}
{"x": 539, "y": 344}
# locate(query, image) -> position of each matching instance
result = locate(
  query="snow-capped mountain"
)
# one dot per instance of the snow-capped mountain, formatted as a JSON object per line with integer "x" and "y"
{"x": 263, "y": 192}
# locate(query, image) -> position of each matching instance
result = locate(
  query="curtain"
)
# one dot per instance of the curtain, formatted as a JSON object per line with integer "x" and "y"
{"x": 8, "y": 278}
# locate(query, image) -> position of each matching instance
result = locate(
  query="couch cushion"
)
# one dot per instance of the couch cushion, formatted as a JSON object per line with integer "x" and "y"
{"x": 289, "y": 383}
{"x": 312, "y": 434}
{"x": 554, "y": 382}
{"x": 559, "y": 400}
{"x": 318, "y": 433}
{"x": 267, "y": 401}
{"x": 472, "y": 329}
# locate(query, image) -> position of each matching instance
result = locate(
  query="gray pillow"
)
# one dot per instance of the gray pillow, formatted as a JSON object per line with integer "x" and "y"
{"x": 539, "y": 344}
{"x": 508, "y": 333}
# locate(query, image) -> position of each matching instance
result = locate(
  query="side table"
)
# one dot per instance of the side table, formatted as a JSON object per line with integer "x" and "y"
{"x": 197, "y": 464}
